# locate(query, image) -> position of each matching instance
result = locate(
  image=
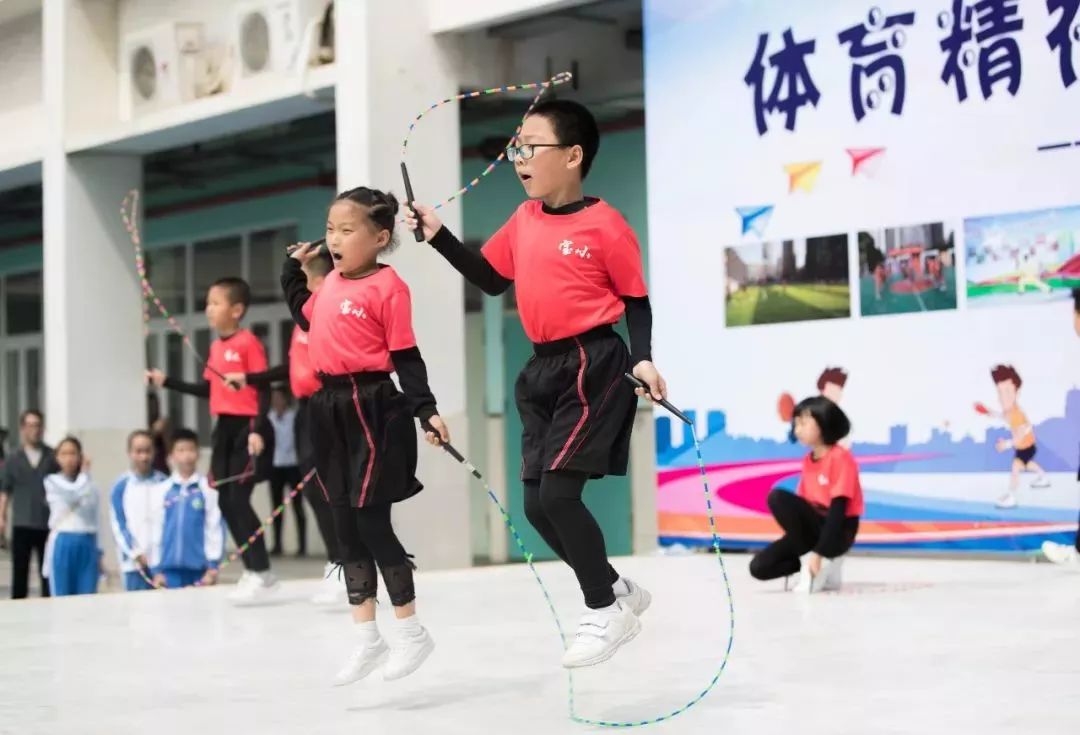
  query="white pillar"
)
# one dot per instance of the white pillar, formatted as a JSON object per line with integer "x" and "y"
{"x": 94, "y": 355}
{"x": 389, "y": 68}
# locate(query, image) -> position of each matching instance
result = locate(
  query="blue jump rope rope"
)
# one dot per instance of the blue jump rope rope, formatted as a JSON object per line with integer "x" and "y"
{"x": 449, "y": 449}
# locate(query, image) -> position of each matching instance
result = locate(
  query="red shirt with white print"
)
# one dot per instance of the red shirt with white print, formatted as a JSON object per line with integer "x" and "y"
{"x": 834, "y": 475}
{"x": 240, "y": 352}
{"x": 570, "y": 271}
{"x": 303, "y": 380}
{"x": 357, "y": 322}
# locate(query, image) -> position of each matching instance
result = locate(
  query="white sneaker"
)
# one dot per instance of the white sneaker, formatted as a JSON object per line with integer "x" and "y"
{"x": 600, "y": 634}
{"x": 409, "y": 651}
{"x": 1060, "y": 553}
{"x": 805, "y": 581}
{"x": 331, "y": 589}
{"x": 829, "y": 579}
{"x": 637, "y": 598}
{"x": 364, "y": 660}
{"x": 1008, "y": 500}
{"x": 254, "y": 588}
{"x": 1041, "y": 482}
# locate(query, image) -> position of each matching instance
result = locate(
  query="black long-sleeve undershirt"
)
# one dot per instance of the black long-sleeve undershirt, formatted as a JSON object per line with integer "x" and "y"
{"x": 831, "y": 542}
{"x": 267, "y": 378}
{"x": 199, "y": 390}
{"x": 294, "y": 284}
{"x": 477, "y": 270}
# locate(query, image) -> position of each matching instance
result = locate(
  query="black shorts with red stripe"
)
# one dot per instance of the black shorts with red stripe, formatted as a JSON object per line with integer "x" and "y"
{"x": 577, "y": 410}
{"x": 229, "y": 459}
{"x": 363, "y": 440}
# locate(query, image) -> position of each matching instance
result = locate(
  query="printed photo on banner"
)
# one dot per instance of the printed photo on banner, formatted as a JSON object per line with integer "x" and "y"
{"x": 1023, "y": 258}
{"x": 905, "y": 269}
{"x": 788, "y": 281}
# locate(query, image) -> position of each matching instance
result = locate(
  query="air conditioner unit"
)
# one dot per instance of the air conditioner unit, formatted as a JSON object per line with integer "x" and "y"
{"x": 158, "y": 67}
{"x": 275, "y": 36}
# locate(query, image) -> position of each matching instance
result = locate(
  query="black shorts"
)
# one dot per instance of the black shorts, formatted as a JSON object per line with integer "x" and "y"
{"x": 229, "y": 456}
{"x": 1026, "y": 455}
{"x": 577, "y": 409}
{"x": 364, "y": 440}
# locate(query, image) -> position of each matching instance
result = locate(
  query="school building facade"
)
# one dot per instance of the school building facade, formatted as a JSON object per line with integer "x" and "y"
{"x": 234, "y": 160}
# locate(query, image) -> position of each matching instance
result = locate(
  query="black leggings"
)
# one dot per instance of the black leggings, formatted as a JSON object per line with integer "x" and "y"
{"x": 243, "y": 523}
{"x": 368, "y": 540}
{"x": 554, "y": 508}
{"x": 280, "y": 477}
{"x": 802, "y": 524}
{"x": 324, "y": 519}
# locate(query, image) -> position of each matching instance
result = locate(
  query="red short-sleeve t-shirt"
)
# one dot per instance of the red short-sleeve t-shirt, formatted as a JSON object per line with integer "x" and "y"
{"x": 357, "y": 323}
{"x": 303, "y": 381}
{"x": 570, "y": 271}
{"x": 835, "y": 475}
{"x": 240, "y": 352}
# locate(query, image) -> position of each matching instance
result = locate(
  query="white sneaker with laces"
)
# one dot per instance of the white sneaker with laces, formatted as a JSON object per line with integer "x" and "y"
{"x": 1060, "y": 553}
{"x": 411, "y": 648}
{"x": 364, "y": 660}
{"x": 1041, "y": 482}
{"x": 632, "y": 595}
{"x": 255, "y": 588}
{"x": 331, "y": 589}
{"x": 600, "y": 634}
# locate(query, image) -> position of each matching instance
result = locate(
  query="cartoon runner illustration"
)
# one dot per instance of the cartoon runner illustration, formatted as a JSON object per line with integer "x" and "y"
{"x": 1008, "y": 383}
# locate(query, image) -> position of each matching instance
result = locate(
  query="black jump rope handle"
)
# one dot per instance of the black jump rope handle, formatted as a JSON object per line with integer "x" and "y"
{"x": 410, "y": 200}
{"x": 663, "y": 401}
{"x": 290, "y": 249}
{"x": 445, "y": 445}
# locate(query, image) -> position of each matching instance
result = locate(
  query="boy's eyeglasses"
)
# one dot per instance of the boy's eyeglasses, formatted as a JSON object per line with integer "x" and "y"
{"x": 525, "y": 151}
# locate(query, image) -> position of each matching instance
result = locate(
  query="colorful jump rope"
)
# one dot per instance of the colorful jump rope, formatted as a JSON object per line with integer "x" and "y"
{"x": 551, "y": 605}
{"x": 541, "y": 87}
{"x": 129, "y": 212}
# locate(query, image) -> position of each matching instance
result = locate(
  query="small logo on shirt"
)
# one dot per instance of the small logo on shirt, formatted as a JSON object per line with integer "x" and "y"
{"x": 347, "y": 308}
{"x": 823, "y": 479}
{"x": 232, "y": 356}
{"x": 566, "y": 247}
{"x": 197, "y": 503}
{"x": 302, "y": 338}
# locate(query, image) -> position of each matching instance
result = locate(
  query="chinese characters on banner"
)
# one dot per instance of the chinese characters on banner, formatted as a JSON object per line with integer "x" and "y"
{"x": 977, "y": 42}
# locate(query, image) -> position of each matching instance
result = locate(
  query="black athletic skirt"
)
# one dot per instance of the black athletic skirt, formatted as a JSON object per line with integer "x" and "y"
{"x": 577, "y": 409}
{"x": 363, "y": 440}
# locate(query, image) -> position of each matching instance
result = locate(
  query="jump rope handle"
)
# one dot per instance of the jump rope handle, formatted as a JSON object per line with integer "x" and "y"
{"x": 410, "y": 200}
{"x": 663, "y": 401}
{"x": 290, "y": 249}
{"x": 447, "y": 446}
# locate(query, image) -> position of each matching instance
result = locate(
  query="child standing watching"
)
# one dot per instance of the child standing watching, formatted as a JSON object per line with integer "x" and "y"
{"x": 359, "y": 331}
{"x": 189, "y": 536}
{"x": 71, "y": 554}
{"x": 821, "y": 520}
{"x": 131, "y": 512}
{"x": 286, "y": 470}
{"x": 576, "y": 266}
{"x": 240, "y": 437}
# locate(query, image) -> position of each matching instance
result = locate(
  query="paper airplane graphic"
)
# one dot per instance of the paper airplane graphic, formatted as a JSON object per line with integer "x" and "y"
{"x": 865, "y": 160}
{"x": 802, "y": 175}
{"x": 755, "y": 219}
